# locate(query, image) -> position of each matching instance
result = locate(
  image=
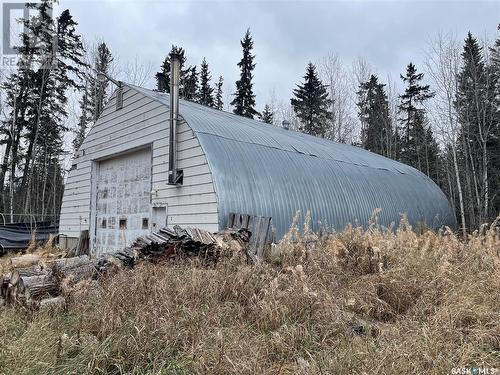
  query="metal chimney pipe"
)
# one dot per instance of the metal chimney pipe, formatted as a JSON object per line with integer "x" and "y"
{"x": 174, "y": 175}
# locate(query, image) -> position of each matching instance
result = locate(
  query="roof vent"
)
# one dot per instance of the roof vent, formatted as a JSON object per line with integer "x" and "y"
{"x": 285, "y": 124}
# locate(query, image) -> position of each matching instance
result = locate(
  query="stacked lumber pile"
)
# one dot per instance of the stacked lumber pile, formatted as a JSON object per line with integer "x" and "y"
{"x": 33, "y": 281}
{"x": 181, "y": 243}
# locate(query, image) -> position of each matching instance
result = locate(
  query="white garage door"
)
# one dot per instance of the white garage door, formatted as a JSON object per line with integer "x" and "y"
{"x": 123, "y": 200}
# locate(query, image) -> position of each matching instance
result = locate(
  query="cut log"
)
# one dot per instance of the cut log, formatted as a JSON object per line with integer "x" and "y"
{"x": 17, "y": 273}
{"x": 24, "y": 261}
{"x": 4, "y": 284}
{"x": 68, "y": 262}
{"x": 37, "y": 287}
{"x": 77, "y": 268}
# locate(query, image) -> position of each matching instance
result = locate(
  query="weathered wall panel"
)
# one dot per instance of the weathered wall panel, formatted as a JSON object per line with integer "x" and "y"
{"x": 123, "y": 200}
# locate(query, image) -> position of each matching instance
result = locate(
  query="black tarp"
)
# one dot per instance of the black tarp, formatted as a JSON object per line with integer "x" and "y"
{"x": 16, "y": 236}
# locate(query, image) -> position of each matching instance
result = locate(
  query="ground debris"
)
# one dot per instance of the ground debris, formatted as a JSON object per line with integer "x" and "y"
{"x": 34, "y": 281}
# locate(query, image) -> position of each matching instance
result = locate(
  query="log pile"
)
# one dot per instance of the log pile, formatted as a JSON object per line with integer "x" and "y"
{"x": 35, "y": 282}
{"x": 181, "y": 243}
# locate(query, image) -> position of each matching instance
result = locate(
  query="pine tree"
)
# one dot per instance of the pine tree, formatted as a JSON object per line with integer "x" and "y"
{"x": 413, "y": 118}
{"x": 163, "y": 76}
{"x": 84, "y": 120}
{"x": 244, "y": 101}
{"x": 376, "y": 134}
{"x": 50, "y": 64}
{"x": 98, "y": 84}
{"x": 432, "y": 156}
{"x": 205, "y": 95}
{"x": 190, "y": 85}
{"x": 476, "y": 114}
{"x": 494, "y": 146}
{"x": 311, "y": 104}
{"x": 219, "y": 104}
{"x": 267, "y": 115}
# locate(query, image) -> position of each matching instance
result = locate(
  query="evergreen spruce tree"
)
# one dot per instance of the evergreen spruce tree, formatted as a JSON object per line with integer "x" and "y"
{"x": 494, "y": 146}
{"x": 311, "y": 104}
{"x": 244, "y": 101}
{"x": 163, "y": 76}
{"x": 84, "y": 120}
{"x": 205, "y": 95}
{"x": 495, "y": 68}
{"x": 190, "y": 84}
{"x": 94, "y": 93}
{"x": 471, "y": 84}
{"x": 413, "y": 129}
{"x": 376, "y": 134}
{"x": 476, "y": 114}
{"x": 267, "y": 115}
{"x": 50, "y": 64}
{"x": 432, "y": 156}
{"x": 219, "y": 104}
{"x": 98, "y": 84}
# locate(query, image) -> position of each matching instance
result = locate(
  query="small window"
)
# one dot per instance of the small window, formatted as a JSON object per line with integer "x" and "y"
{"x": 73, "y": 167}
{"x": 123, "y": 223}
{"x": 103, "y": 223}
{"x": 119, "y": 98}
{"x": 145, "y": 223}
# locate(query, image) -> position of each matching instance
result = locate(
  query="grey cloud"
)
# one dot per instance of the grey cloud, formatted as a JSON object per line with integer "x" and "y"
{"x": 388, "y": 34}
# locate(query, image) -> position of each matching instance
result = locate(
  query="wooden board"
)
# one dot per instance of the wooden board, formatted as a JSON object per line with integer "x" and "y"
{"x": 260, "y": 228}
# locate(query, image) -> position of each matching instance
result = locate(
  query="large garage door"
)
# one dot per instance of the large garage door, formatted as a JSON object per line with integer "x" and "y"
{"x": 123, "y": 200}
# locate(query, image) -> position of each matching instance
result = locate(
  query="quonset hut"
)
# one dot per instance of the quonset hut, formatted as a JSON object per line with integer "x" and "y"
{"x": 135, "y": 173}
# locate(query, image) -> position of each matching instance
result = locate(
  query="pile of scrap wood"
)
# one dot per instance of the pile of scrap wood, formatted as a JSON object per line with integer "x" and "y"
{"x": 34, "y": 281}
{"x": 180, "y": 243}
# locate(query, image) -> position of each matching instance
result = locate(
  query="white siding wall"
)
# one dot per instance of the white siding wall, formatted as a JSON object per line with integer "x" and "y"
{"x": 142, "y": 121}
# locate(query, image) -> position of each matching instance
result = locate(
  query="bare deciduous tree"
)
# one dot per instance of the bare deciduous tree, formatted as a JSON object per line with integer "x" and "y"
{"x": 360, "y": 72}
{"x": 137, "y": 73}
{"x": 335, "y": 76}
{"x": 442, "y": 65}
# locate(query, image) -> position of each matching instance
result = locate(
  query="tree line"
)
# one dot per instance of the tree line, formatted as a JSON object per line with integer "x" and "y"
{"x": 447, "y": 128}
{"x": 445, "y": 122}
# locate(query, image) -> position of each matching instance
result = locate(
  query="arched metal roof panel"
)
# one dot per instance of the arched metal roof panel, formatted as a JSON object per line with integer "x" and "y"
{"x": 264, "y": 170}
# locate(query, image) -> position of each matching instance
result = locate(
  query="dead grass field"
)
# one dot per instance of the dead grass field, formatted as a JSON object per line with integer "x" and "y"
{"x": 357, "y": 302}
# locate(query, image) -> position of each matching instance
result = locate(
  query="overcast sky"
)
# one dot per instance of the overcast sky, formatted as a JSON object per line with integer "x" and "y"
{"x": 287, "y": 34}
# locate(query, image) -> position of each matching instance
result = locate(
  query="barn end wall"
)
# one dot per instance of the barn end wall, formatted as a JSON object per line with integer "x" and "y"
{"x": 142, "y": 122}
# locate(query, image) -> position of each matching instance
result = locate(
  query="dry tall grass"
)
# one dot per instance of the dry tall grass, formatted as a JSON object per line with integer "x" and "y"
{"x": 356, "y": 302}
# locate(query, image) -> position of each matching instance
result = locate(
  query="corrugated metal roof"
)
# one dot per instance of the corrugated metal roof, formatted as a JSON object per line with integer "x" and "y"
{"x": 264, "y": 170}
